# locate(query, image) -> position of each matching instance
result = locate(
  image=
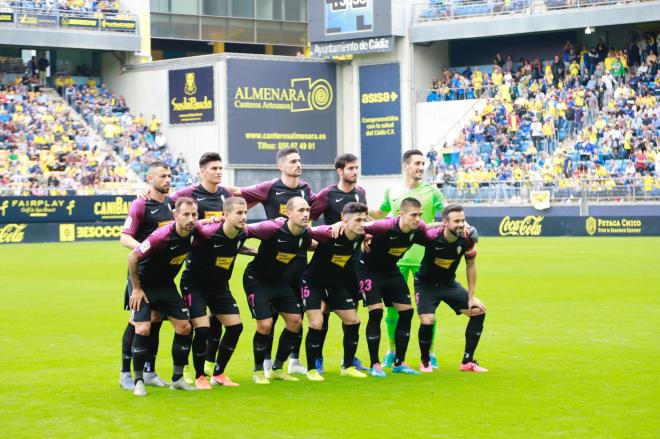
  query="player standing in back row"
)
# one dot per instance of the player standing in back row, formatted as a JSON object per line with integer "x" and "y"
{"x": 210, "y": 197}
{"x": 274, "y": 195}
{"x": 145, "y": 215}
{"x": 431, "y": 198}
{"x": 330, "y": 203}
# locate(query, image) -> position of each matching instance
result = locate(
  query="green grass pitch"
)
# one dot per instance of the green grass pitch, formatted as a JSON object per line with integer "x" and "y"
{"x": 571, "y": 341}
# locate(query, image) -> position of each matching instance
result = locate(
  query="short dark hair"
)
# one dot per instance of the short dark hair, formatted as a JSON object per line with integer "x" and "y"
{"x": 230, "y": 203}
{"x": 354, "y": 207}
{"x": 410, "y": 202}
{"x": 342, "y": 160}
{"x": 449, "y": 208}
{"x": 158, "y": 164}
{"x": 184, "y": 200}
{"x": 209, "y": 157}
{"x": 410, "y": 153}
{"x": 282, "y": 153}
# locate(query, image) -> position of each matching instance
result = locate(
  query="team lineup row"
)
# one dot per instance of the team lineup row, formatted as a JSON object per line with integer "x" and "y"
{"x": 354, "y": 257}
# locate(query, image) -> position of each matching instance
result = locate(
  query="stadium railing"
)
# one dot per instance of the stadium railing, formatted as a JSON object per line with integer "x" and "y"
{"x": 568, "y": 191}
{"x": 455, "y": 94}
{"x": 445, "y": 10}
{"x": 65, "y": 19}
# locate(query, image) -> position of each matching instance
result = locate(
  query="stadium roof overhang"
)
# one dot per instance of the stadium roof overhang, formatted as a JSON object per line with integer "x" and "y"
{"x": 70, "y": 39}
{"x": 546, "y": 22}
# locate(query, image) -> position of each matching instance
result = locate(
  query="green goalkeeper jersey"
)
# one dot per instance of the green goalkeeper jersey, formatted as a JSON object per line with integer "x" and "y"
{"x": 432, "y": 202}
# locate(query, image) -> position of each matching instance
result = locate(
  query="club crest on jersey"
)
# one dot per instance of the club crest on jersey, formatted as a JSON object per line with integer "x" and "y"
{"x": 238, "y": 245}
{"x": 458, "y": 249}
{"x": 222, "y": 197}
{"x": 300, "y": 241}
{"x": 411, "y": 236}
{"x": 357, "y": 197}
{"x": 283, "y": 209}
{"x": 355, "y": 246}
{"x": 302, "y": 193}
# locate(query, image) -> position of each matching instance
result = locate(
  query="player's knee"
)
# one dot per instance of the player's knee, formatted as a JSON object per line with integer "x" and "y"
{"x": 143, "y": 328}
{"x": 264, "y": 326}
{"x": 234, "y": 331}
{"x": 350, "y": 320}
{"x": 183, "y": 327}
{"x": 316, "y": 322}
{"x": 427, "y": 319}
{"x": 293, "y": 323}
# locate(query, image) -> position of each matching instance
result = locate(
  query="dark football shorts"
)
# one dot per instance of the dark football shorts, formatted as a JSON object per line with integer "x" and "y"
{"x": 293, "y": 274}
{"x": 166, "y": 299}
{"x": 218, "y": 300}
{"x": 387, "y": 287}
{"x": 264, "y": 297}
{"x": 352, "y": 282}
{"x": 336, "y": 297}
{"x": 428, "y": 296}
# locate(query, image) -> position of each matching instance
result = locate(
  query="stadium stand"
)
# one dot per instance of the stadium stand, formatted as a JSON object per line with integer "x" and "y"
{"x": 134, "y": 139}
{"x": 50, "y": 149}
{"x": 587, "y": 119}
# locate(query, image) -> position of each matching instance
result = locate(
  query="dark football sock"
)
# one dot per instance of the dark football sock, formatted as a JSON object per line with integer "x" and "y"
{"x": 180, "y": 349}
{"x": 154, "y": 338}
{"x": 285, "y": 346}
{"x": 313, "y": 346}
{"x": 351, "y": 337}
{"x": 425, "y": 336}
{"x": 213, "y": 342}
{"x": 373, "y": 334}
{"x": 295, "y": 352}
{"x": 402, "y": 335}
{"x": 472, "y": 335}
{"x": 140, "y": 351}
{"x": 227, "y": 347}
{"x": 271, "y": 336}
{"x": 199, "y": 346}
{"x": 126, "y": 345}
{"x": 259, "y": 348}
{"x": 324, "y": 331}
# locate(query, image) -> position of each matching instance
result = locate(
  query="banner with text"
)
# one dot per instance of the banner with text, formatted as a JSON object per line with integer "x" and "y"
{"x": 540, "y": 225}
{"x": 191, "y": 97}
{"x": 32, "y": 19}
{"x": 64, "y": 208}
{"x": 20, "y": 233}
{"x": 380, "y": 119}
{"x": 273, "y": 105}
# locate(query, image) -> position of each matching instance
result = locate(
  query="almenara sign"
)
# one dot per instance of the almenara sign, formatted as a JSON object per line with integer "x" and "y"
{"x": 191, "y": 95}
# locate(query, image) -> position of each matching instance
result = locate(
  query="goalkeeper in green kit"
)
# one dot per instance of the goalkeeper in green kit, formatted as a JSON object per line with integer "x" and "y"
{"x": 432, "y": 202}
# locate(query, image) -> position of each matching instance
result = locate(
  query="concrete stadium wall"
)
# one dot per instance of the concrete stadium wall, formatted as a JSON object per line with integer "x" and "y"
{"x": 439, "y": 122}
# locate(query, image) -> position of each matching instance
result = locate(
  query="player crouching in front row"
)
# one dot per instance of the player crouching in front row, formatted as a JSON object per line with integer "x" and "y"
{"x": 152, "y": 268}
{"x": 436, "y": 282}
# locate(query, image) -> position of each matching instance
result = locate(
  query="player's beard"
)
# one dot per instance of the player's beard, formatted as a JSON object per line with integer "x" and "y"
{"x": 189, "y": 227}
{"x": 457, "y": 232}
{"x": 350, "y": 180}
{"x": 163, "y": 189}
